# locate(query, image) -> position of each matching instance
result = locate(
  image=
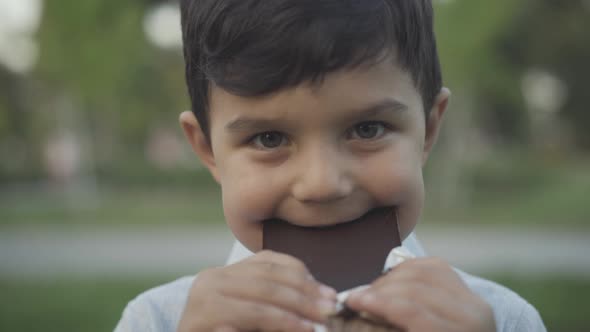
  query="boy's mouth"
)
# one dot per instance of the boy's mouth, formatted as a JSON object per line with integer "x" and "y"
{"x": 327, "y": 223}
{"x": 343, "y": 255}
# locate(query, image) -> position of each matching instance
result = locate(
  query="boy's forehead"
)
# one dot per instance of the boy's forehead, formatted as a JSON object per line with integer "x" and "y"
{"x": 353, "y": 89}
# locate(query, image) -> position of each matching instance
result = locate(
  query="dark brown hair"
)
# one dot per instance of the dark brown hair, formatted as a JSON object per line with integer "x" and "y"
{"x": 257, "y": 47}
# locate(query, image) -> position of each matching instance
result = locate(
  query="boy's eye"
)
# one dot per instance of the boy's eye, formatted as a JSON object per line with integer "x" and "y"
{"x": 268, "y": 140}
{"x": 368, "y": 130}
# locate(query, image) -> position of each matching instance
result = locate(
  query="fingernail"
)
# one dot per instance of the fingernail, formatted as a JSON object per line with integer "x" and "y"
{"x": 326, "y": 307}
{"x": 327, "y": 292}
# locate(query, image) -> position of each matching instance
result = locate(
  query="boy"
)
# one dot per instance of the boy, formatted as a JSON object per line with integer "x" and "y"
{"x": 316, "y": 112}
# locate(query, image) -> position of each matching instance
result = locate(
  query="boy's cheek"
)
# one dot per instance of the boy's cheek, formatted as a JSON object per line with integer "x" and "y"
{"x": 407, "y": 219}
{"x": 245, "y": 206}
{"x": 251, "y": 196}
{"x": 249, "y": 235}
{"x": 407, "y": 194}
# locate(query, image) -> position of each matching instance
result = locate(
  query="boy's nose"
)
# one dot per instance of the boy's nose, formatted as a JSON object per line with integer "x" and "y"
{"x": 322, "y": 178}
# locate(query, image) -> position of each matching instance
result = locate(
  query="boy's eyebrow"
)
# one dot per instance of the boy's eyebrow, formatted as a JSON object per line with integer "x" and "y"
{"x": 250, "y": 124}
{"x": 385, "y": 105}
{"x": 253, "y": 124}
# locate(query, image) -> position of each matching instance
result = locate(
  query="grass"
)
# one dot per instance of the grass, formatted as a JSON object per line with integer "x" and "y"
{"x": 66, "y": 305}
{"x": 96, "y": 305}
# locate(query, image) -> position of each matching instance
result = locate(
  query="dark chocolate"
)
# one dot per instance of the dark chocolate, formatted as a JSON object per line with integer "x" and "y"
{"x": 342, "y": 256}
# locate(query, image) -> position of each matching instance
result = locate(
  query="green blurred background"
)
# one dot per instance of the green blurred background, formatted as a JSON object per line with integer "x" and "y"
{"x": 90, "y": 92}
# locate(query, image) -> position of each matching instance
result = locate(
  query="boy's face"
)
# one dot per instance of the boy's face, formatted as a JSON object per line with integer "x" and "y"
{"x": 318, "y": 155}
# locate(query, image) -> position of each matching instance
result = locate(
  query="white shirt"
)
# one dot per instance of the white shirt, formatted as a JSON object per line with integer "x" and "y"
{"x": 159, "y": 309}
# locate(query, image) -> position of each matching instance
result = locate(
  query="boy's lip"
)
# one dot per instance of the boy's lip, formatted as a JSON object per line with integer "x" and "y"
{"x": 329, "y": 224}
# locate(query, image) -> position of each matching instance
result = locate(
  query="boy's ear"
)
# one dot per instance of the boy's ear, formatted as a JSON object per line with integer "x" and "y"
{"x": 199, "y": 142}
{"x": 434, "y": 121}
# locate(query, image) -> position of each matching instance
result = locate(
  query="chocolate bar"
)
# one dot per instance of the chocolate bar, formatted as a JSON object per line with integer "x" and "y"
{"x": 342, "y": 256}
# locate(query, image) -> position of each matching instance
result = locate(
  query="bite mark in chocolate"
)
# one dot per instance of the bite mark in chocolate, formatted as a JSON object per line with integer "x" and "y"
{"x": 342, "y": 256}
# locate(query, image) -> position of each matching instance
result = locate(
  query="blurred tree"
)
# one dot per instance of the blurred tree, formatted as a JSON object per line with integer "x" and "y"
{"x": 17, "y": 142}
{"x": 553, "y": 36}
{"x": 8, "y": 100}
{"x": 94, "y": 53}
{"x": 465, "y": 32}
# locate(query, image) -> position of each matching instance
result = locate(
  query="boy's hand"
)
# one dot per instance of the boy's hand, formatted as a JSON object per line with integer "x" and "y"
{"x": 266, "y": 292}
{"x": 423, "y": 295}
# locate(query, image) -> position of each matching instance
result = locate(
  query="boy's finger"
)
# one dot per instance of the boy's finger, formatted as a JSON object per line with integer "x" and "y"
{"x": 431, "y": 273}
{"x": 277, "y": 294}
{"x": 400, "y": 312}
{"x": 254, "y": 316}
{"x": 273, "y": 257}
{"x": 417, "y": 306}
{"x": 297, "y": 279}
{"x": 427, "y": 270}
{"x": 288, "y": 270}
{"x": 435, "y": 300}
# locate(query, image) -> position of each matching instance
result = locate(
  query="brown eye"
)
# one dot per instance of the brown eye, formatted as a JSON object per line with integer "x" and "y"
{"x": 269, "y": 140}
{"x": 368, "y": 130}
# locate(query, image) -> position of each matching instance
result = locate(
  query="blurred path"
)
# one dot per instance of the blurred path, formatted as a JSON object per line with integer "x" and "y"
{"x": 86, "y": 252}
